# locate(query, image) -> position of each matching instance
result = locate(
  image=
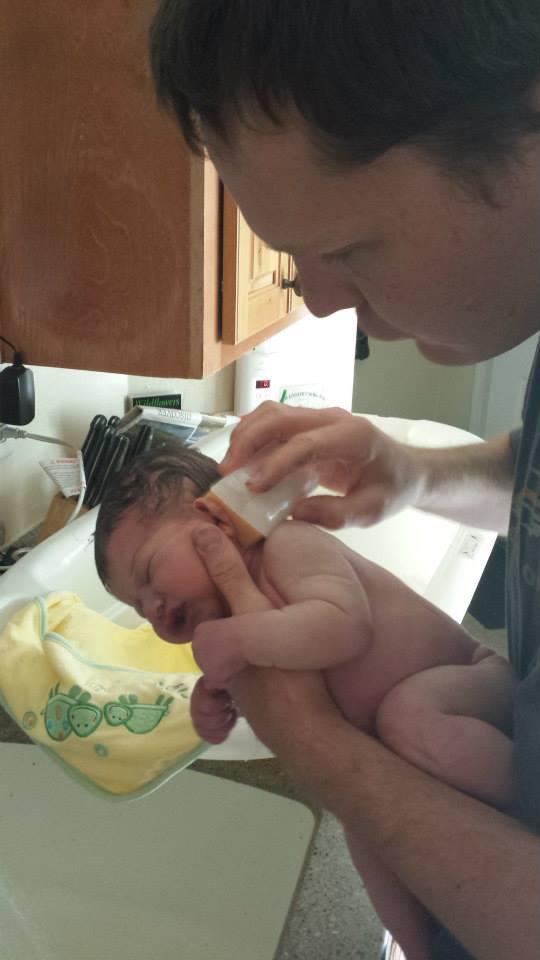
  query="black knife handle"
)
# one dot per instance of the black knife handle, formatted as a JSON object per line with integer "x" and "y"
{"x": 93, "y": 453}
{"x": 95, "y": 424}
{"x": 96, "y": 470}
{"x": 144, "y": 440}
{"x": 116, "y": 457}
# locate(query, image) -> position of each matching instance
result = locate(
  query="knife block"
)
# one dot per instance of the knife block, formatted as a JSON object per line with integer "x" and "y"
{"x": 58, "y": 514}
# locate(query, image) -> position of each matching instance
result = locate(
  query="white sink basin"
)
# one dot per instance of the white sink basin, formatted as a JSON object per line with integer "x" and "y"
{"x": 438, "y": 558}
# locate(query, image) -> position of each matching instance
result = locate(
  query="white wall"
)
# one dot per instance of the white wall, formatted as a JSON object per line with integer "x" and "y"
{"x": 397, "y": 381}
{"x": 66, "y": 401}
{"x": 499, "y": 390}
{"x": 316, "y": 351}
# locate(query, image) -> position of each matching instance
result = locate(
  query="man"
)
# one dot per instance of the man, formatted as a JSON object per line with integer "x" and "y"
{"x": 394, "y": 150}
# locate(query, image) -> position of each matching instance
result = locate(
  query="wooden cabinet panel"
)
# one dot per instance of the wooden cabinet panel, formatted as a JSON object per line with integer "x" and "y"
{"x": 253, "y": 295}
{"x": 110, "y": 246}
{"x": 96, "y": 227}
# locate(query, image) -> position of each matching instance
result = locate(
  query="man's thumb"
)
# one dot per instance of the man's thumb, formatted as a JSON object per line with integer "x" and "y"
{"x": 227, "y": 570}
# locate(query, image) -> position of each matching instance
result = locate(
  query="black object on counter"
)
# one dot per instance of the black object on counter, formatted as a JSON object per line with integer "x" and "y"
{"x": 115, "y": 458}
{"x": 93, "y": 456}
{"x": 17, "y": 395}
{"x": 103, "y": 453}
{"x": 143, "y": 441}
{"x": 91, "y": 441}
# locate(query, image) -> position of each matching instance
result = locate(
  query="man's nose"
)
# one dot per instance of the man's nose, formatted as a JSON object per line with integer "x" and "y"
{"x": 323, "y": 290}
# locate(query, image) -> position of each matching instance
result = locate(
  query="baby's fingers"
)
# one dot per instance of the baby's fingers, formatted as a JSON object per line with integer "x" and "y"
{"x": 212, "y": 712}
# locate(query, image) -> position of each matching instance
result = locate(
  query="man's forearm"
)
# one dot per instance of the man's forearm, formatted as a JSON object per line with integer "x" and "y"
{"x": 474, "y": 869}
{"x": 471, "y": 484}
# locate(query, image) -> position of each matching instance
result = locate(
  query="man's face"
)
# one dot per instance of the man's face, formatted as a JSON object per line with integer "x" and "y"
{"x": 411, "y": 250}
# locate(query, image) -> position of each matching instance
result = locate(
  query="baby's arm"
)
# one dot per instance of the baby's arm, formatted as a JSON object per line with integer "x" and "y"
{"x": 325, "y": 619}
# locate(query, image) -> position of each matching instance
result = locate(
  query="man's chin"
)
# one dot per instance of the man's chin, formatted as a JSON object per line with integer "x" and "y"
{"x": 442, "y": 354}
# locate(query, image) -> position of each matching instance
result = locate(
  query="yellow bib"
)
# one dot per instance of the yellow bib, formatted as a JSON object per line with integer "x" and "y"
{"x": 111, "y": 703}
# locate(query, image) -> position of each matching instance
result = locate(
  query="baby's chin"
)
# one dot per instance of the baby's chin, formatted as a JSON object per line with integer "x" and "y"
{"x": 182, "y": 622}
{"x": 174, "y": 638}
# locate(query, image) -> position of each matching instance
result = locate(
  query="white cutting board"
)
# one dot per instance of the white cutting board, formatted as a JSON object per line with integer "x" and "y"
{"x": 202, "y": 869}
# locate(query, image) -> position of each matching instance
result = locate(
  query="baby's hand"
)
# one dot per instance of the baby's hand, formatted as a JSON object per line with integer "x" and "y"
{"x": 212, "y": 712}
{"x": 218, "y": 652}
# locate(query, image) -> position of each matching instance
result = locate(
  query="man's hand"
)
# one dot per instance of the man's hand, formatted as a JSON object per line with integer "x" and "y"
{"x": 217, "y": 652}
{"x": 217, "y": 645}
{"x": 375, "y": 475}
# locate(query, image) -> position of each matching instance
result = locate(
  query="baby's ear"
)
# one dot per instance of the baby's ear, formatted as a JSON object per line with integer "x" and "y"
{"x": 216, "y": 514}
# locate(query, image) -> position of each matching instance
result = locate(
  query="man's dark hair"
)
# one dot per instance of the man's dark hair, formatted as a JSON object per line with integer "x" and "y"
{"x": 151, "y": 481}
{"x": 453, "y": 76}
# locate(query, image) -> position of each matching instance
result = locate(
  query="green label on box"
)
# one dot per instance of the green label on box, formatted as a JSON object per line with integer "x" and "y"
{"x": 171, "y": 400}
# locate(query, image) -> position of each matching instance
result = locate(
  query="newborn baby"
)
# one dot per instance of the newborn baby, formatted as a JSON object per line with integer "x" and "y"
{"x": 395, "y": 665}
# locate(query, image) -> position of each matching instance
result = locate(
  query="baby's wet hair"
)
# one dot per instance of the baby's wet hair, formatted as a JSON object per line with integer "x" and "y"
{"x": 151, "y": 482}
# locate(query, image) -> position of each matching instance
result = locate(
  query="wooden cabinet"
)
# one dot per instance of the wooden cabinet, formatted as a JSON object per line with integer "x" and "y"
{"x": 118, "y": 251}
{"x": 256, "y": 279}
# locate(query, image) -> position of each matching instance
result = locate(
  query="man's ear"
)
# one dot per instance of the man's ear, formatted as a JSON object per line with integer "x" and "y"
{"x": 216, "y": 514}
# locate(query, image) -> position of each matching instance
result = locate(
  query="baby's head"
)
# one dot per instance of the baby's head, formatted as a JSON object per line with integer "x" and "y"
{"x": 143, "y": 542}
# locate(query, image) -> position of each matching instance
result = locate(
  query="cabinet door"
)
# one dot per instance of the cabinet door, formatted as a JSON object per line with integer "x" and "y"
{"x": 110, "y": 231}
{"x": 106, "y": 253}
{"x": 254, "y": 293}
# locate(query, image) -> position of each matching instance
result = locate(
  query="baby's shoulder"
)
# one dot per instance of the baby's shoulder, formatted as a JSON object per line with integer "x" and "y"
{"x": 293, "y": 532}
{"x": 294, "y": 542}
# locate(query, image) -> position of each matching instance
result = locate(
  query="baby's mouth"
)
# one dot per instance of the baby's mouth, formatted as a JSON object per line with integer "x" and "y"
{"x": 174, "y": 620}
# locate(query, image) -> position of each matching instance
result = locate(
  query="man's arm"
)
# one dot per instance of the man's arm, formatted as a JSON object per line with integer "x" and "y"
{"x": 476, "y": 870}
{"x": 471, "y": 484}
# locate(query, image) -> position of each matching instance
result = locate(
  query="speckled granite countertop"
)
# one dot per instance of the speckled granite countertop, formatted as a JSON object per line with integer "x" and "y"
{"x": 9, "y": 731}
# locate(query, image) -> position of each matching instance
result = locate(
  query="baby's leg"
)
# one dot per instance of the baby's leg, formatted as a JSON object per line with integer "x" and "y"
{"x": 455, "y": 722}
{"x": 398, "y": 910}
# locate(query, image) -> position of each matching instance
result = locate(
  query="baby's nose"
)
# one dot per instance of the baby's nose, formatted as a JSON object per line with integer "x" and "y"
{"x": 152, "y": 608}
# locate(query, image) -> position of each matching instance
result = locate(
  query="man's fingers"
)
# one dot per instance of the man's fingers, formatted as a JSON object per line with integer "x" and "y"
{"x": 272, "y": 422}
{"x": 360, "y": 510}
{"x": 227, "y": 570}
{"x": 338, "y": 449}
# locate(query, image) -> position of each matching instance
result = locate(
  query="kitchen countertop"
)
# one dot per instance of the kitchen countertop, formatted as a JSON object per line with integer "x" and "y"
{"x": 330, "y": 916}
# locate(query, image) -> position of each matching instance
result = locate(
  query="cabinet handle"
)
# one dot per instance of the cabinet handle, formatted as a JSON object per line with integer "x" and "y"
{"x": 287, "y": 284}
